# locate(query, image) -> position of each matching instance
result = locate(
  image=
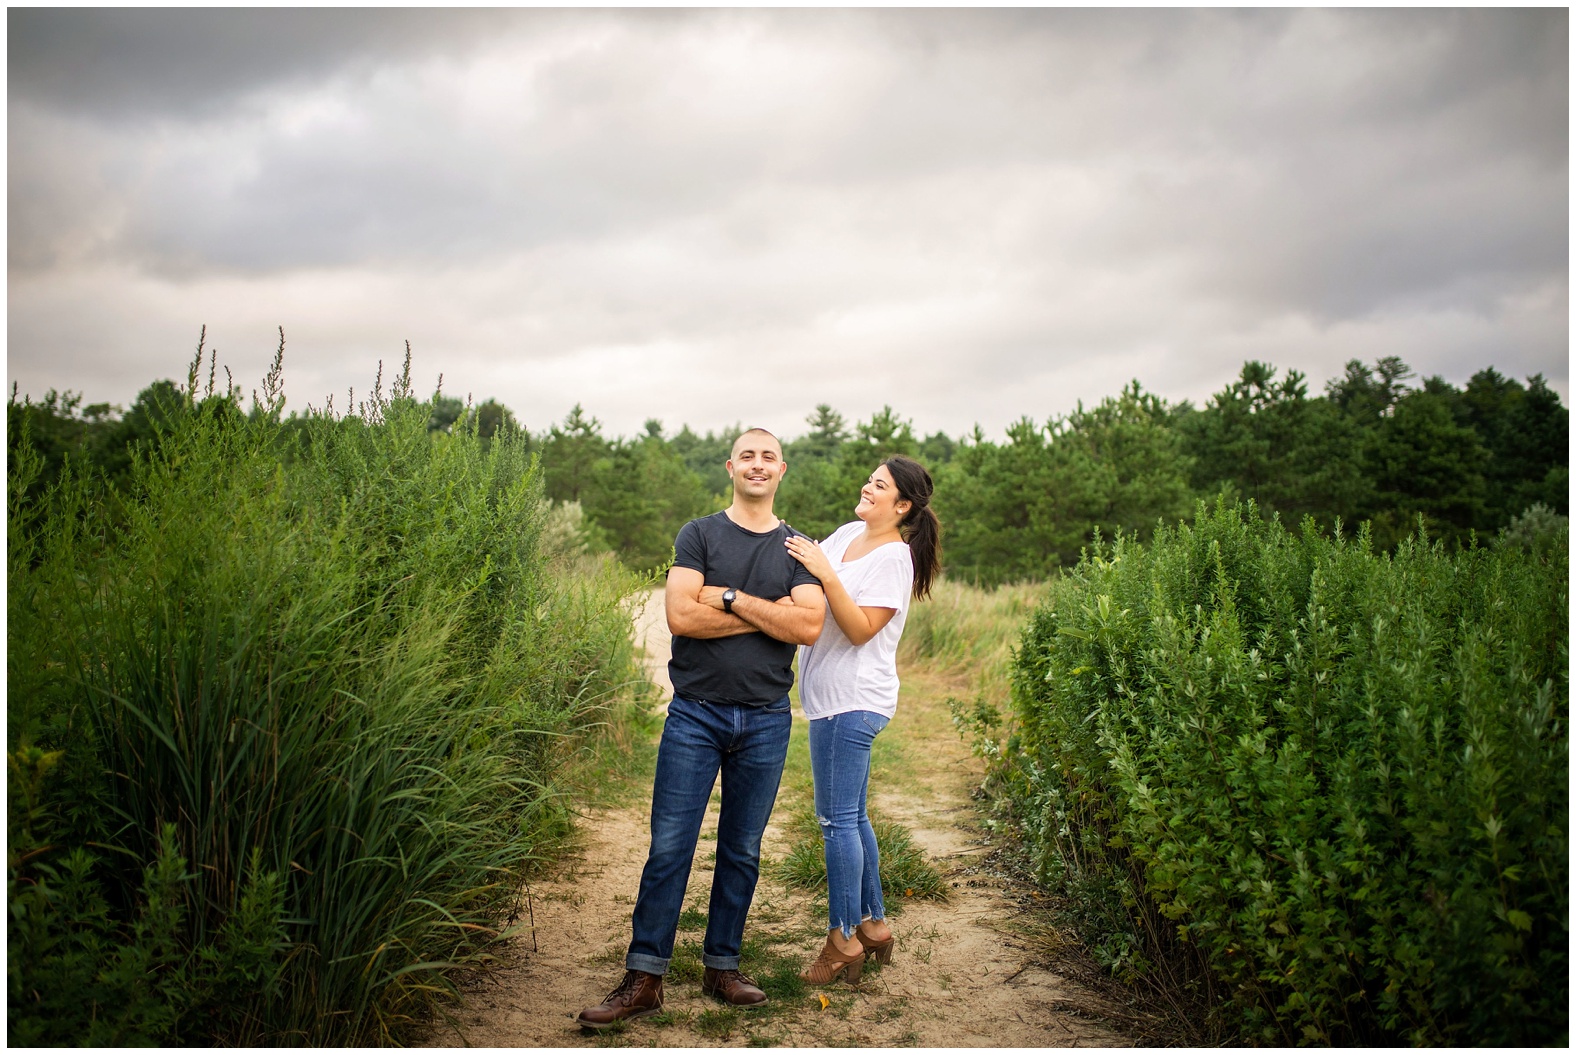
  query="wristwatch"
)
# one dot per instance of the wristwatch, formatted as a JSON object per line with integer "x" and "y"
{"x": 728, "y": 597}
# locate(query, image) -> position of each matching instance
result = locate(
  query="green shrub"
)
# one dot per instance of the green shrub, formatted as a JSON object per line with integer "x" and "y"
{"x": 305, "y": 697}
{"x": 1538, "y": 529}
{"x": 1337, "y": 777}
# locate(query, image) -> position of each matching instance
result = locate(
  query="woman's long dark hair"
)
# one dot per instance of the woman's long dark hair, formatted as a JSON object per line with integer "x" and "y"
{"x": 920, "y": 528}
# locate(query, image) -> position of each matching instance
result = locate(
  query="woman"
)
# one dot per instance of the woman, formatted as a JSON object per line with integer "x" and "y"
{"x": 870, "y": 569}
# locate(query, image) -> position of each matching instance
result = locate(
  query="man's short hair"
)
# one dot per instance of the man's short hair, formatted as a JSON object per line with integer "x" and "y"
{"x": 754, "y": 428}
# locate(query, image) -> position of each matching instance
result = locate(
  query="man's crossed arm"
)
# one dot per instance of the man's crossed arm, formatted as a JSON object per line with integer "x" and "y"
{"x": 695, "y": 610}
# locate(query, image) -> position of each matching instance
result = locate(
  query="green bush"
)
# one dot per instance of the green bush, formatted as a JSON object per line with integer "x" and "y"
{"x": 1539, "y": 530}
{"x": 284, "y": 730}
{"x": 1337, "y": 778}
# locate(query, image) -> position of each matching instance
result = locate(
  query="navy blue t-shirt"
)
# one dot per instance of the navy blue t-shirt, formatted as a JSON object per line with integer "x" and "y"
{"x": 752, "y": 669}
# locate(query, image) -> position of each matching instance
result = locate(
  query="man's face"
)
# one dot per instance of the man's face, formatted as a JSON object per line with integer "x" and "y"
{"x": 757, "y": 466}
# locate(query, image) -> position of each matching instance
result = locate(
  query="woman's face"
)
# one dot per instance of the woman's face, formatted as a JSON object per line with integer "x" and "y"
{"x": 879, "y": 501}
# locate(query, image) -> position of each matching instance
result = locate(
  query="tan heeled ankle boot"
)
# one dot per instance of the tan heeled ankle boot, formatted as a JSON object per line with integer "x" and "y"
{"x": 832, "y": 964}
{"x": 877, "y": 951}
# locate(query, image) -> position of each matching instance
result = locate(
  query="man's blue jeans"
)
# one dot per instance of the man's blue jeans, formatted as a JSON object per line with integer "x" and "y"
{"x": 748, "y": 745}
{"x": 840, "y": 760}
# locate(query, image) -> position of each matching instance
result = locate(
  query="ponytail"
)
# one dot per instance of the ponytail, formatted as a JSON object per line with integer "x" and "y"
{"x": 920, "y": 528}
{"x": 924, "y": 545}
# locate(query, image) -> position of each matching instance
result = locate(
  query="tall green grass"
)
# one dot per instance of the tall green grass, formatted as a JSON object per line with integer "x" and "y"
{"x": 286, "y": 719}
{"x": 1335, "y": 778}
{"x": 964, "y": 630}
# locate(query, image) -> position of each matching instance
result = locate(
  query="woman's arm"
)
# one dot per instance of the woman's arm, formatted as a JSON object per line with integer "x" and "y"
{"x": 858, "y": 624}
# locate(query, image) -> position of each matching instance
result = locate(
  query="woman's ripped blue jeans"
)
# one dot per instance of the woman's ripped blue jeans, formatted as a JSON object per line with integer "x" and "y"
{"x": 840, "y": 760}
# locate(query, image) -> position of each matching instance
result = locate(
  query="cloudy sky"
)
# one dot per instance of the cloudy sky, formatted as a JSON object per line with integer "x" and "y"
{"x": 721, "y": 216}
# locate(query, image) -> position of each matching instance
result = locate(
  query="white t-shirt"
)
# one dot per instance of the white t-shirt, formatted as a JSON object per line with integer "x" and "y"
{"x": 836, "y": 676}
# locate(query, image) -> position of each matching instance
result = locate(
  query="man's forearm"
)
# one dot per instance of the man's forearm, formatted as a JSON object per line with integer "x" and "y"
{"x": 705, "y": 623}
{"x": 785, "y": 622}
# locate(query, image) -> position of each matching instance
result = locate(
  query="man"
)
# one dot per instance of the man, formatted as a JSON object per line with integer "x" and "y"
{"x": 737, "y": 605}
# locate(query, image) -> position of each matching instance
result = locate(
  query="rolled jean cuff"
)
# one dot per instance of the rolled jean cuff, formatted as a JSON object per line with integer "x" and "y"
{"x": 650, "y": 964}
{"x": 720, "y": 963}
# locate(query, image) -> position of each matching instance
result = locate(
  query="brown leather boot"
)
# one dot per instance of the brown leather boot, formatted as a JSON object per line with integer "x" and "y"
{"x": 732, "y": 987}
{"x": 638, "y": 995}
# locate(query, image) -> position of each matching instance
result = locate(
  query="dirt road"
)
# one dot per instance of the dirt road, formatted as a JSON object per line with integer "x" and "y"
{"x": 963, "y": 973}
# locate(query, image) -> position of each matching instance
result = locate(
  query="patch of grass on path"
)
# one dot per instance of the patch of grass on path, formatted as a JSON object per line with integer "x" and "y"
{"x": 905, "y": 871}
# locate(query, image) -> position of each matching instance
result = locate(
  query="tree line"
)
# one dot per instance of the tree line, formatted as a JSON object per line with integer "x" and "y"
{"x": 1375, "y": 448}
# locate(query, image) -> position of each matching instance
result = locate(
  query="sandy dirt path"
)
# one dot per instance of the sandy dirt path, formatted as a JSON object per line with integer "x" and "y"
{"x": 962, "y": 975}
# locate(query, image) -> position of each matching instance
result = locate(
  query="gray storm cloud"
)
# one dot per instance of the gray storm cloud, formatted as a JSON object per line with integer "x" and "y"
{"x": 718, "y": 215}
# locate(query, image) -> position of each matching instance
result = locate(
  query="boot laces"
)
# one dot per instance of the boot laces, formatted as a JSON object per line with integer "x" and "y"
{"x": 627, "y": 987}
